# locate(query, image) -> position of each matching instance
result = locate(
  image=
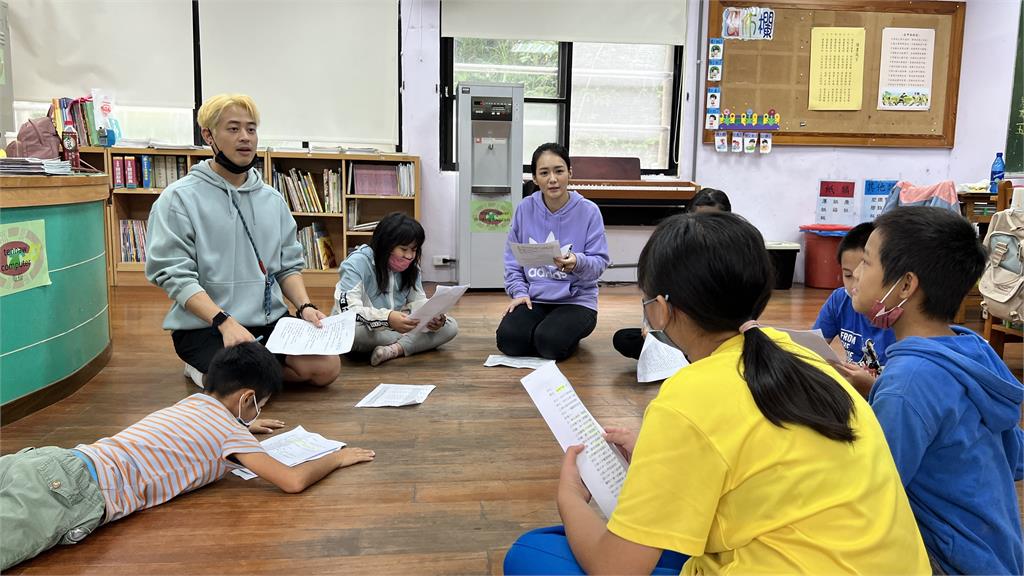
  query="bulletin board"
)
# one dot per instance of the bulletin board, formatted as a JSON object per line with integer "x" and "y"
{"x": 774, "y": 74}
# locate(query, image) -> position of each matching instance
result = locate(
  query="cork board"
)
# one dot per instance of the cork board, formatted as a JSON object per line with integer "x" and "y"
{"x": 766, "y": 74}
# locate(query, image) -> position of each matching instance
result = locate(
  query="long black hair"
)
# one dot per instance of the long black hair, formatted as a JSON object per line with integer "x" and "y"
{"x": 713, "y": 266}
{"x": 396, "y": 229}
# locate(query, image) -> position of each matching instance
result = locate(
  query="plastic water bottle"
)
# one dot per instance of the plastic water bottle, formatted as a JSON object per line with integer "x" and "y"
{"x": 997, "y": 174}
{"x": 69, "y": 144}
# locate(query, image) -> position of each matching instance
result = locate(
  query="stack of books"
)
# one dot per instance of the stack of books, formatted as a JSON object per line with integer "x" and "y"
{"x": 34, "y": 166}
{"x": 146, "y": 171}
{"x": 133, "y": 240}
{"x": 300, "y": 190}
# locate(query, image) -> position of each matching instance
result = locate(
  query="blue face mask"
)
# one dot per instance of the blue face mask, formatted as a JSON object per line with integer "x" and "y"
{"x": 239, "y": 418}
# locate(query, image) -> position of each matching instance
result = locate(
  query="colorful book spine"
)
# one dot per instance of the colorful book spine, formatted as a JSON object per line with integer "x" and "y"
{"x": 131, "y": 179}
{"x": 118, "y": 163}
{"x": 146, "y": 171}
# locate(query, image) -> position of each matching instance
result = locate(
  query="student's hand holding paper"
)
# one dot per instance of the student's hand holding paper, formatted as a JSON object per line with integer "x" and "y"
{"x": 570, "y": 483}
{"x": 623, "y": 439}
{"x": 518, "y": 301}
{"x": 858, "y": 376}
{"x": 400, "y": 322}
{"x": 313, "y": 316}
{"x": 265, "y": 425}
{"x": 436, "y": 323}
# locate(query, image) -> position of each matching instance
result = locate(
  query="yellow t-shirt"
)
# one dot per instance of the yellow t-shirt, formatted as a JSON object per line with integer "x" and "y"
{"x": 713, "y": 478}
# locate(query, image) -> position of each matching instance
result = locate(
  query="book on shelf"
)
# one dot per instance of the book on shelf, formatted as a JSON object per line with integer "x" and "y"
{"x": 146, "y": 170}
{"x": 317, "y": 248}
{"x": 131, "y": 179}
{"x": 364, "y": 227}
{"x": 81, "y": 113}
{"x": 376, "y": 179}
{"x": 160, "y": 170}
{"x": 117, "y": 163}
{"x": 299, "y": 189}
{"x": 133, "y": 240}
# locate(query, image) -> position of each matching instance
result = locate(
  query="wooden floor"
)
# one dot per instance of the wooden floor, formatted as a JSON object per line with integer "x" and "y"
{"x": 456, "y": 479}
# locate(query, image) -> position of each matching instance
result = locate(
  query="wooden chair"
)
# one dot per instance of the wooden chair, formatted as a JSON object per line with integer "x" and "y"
{"x": 997, "y": 334}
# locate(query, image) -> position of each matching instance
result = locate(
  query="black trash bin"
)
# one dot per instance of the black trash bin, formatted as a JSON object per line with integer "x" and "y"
{"x": 784, "y": 259}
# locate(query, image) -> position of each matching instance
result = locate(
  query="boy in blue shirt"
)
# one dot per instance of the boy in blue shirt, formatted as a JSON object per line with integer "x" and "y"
{"x": 864, "y": 344}
{"x": 949, "y": 406}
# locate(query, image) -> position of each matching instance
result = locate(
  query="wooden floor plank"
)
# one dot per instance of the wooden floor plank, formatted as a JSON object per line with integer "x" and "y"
{"x": 456, "y": 479}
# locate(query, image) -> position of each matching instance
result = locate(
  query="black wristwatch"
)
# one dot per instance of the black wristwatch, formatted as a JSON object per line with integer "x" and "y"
{"x": 219, "y": 319}
{"x": 298, "y": 313}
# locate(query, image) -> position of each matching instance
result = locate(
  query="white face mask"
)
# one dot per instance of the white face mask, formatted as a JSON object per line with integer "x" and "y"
{"x": 239, "y": 418}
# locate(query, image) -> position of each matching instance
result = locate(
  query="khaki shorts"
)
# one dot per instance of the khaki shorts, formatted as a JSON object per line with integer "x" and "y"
{"x": 47, "y": 497}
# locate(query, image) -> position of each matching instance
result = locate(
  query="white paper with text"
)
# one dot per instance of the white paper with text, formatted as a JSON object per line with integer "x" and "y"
{"x": 294, "y": 447}
{"x": 441, "y": 302}
{"x": 297, "y": 337}
{"x": 658, "y": 360}
{"x": 601, "y": 465}
{"x": 535, "y": 255}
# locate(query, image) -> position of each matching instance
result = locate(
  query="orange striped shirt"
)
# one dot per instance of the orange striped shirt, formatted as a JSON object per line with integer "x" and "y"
{"x": 169, "y": 452}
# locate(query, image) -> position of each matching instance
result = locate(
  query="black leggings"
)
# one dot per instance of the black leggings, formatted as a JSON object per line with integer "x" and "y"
{"x": 629, "y": 342}
{"x": 550, "y": 331}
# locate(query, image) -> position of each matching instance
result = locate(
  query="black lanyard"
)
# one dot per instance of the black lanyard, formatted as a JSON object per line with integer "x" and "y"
{"x": 268, "y": 280}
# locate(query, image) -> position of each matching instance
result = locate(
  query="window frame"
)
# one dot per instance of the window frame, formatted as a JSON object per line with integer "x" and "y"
{"x": 446, "y": 93}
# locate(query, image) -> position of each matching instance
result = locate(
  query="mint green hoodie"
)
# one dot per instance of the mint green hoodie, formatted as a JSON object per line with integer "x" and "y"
{"x": 195, "y": 242}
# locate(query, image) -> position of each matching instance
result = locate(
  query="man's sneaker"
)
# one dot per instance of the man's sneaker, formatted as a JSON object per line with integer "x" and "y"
{"x": 194, "y": 373}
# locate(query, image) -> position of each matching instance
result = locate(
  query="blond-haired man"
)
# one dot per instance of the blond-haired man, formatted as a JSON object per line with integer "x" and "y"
{"x": 222, "y": 244}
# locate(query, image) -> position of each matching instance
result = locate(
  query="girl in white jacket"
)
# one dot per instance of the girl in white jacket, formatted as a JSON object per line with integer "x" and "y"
{"x": 381, "y": 282}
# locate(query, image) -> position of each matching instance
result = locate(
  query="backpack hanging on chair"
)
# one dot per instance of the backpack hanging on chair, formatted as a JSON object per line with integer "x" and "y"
{"x": 1002, "y": 283}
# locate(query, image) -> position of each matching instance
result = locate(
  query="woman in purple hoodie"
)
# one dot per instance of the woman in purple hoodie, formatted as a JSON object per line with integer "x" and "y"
{"x": 555, "y": 306}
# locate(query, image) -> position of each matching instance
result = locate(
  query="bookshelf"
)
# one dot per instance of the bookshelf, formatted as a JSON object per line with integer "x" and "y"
{"x": 332, "y": 212}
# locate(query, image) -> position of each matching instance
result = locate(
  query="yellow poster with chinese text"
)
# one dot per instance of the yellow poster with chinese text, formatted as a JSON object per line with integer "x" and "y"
{"x": 837, "y": 69}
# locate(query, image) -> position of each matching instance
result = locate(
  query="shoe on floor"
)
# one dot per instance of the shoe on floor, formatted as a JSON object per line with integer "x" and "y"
{"x": 194, "y": 373}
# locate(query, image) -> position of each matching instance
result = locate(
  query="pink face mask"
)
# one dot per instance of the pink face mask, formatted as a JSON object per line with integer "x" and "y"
{"x": 398, "y": 263}
{"x": 882, "y": 318}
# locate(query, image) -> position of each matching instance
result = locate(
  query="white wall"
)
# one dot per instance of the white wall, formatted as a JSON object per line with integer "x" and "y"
{"x": 776, "y": 192}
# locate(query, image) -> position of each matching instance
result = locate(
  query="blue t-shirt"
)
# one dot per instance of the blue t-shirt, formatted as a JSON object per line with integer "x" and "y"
{"x": 838, "y": 318}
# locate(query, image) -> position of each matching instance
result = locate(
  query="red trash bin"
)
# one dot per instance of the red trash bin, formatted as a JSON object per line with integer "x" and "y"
{"x": 821, "y": 267}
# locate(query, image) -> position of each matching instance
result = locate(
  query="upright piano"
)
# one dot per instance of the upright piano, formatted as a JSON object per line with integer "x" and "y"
{"x": 614, "y": 184}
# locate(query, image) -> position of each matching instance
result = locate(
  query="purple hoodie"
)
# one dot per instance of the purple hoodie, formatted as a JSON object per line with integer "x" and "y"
{"x": 578, "y": 223}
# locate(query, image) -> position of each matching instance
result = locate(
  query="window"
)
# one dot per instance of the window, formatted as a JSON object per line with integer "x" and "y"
{"x": 599, "y": 99}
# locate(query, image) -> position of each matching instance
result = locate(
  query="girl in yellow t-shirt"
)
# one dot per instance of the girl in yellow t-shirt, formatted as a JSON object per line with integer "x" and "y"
{"x": 757, "y": 457}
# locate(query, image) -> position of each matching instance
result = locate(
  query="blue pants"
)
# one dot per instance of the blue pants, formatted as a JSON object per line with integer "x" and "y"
{"x": 546, "y": 551}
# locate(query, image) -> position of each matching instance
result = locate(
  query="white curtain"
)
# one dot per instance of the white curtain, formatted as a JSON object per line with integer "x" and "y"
{"x": 612, "y": 21}
{"x": 319, "y": 70}
{"x": 139, "y": 50}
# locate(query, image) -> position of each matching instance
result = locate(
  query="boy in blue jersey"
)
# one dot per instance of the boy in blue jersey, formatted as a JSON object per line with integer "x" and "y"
{"x": 864, "y": 344}
{"x": 949, "y": 406}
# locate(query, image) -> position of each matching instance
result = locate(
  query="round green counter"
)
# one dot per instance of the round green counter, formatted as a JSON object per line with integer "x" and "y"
{"x": 55, "y": 337}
